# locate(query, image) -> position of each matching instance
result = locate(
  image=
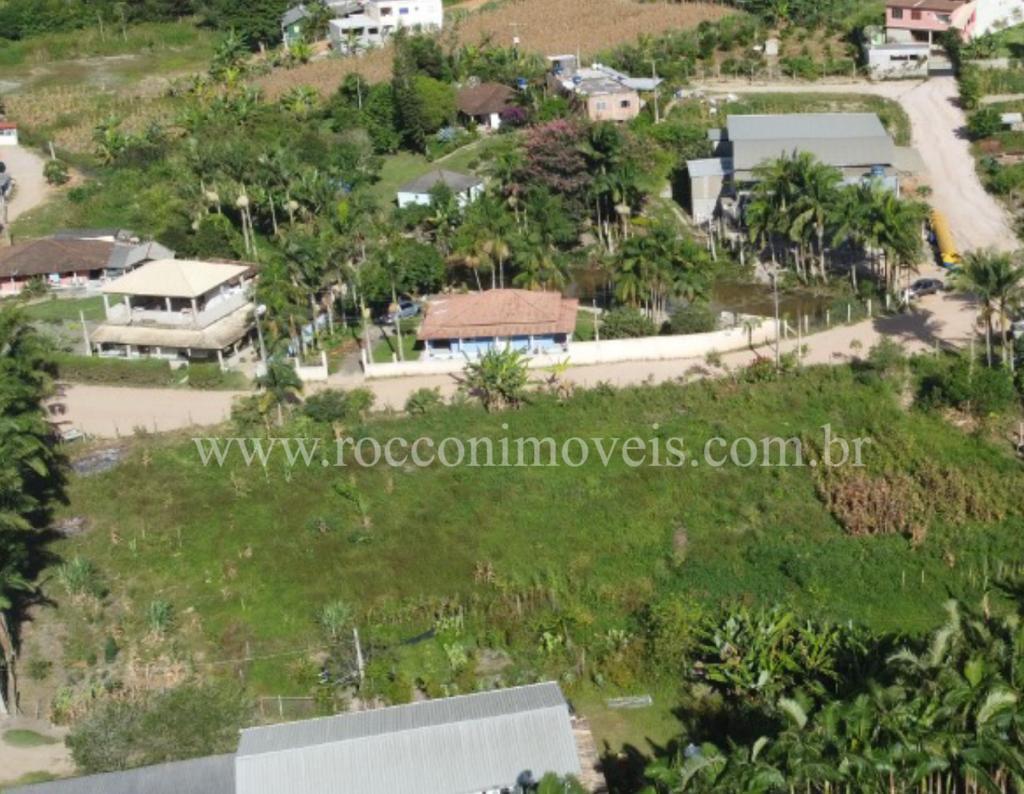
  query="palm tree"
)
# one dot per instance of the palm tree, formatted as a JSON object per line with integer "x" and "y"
{"x": 977, "y": 277}
{"x": 281, "y": 386}
{"x": 818, "y": 186}
{"x": 998, "y": 281}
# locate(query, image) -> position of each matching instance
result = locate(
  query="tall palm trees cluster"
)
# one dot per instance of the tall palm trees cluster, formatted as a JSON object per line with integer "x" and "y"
{"x": 947, "y": 716}
{"x": 802, "y": 214}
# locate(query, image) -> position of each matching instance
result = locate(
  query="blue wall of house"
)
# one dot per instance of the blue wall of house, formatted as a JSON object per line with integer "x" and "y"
{"x": 476, "y": 347}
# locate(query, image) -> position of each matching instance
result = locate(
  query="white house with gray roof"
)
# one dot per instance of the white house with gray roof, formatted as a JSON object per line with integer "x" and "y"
{"x": 465, "y": 187}
{"x": 484, "y": 743}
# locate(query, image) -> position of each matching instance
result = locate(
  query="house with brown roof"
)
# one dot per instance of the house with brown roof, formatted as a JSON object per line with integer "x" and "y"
{"x": 177, "y": 309}
{"x": 484, "y": 103}
{"x": 472, "y": 324}
{"x": 75, "y": 259}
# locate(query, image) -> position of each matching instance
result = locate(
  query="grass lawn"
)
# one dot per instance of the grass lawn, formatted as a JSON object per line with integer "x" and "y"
{"x": 58, "y": 310}
{"x": 525, "y": 570}
{"x": 585, "y": 322}
{"x": 384, "y": 348}
{"x": 27, "y": 738}
{"x": 403, "y": 167}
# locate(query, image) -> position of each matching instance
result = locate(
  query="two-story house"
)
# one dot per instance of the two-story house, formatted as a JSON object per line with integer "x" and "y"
{"x": 372, "y": 22}
{"x": 919, "y": 20}
{"x": 177, "y": 309}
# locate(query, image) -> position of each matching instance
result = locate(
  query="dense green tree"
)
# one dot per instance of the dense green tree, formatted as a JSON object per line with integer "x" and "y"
{"x": 31, "y": 479}
{"x": 255, "y": 21}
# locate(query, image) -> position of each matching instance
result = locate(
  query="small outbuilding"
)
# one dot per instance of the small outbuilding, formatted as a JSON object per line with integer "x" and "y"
{"x": 465, "y": 187}
{"x": 477, "y": 322}
{"x": 485, "y": 103}
{"x": 8, "y": 133}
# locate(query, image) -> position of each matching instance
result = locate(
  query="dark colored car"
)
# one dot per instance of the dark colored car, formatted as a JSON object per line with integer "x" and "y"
{"x": 925, "y": 286}
{"x": 406, "y": 309}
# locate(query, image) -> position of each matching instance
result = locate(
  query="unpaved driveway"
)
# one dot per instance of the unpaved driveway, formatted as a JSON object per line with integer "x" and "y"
{"x": 31, "y": 190}
{"x": 977, "y": 220}
{"x": 16, "y": 762}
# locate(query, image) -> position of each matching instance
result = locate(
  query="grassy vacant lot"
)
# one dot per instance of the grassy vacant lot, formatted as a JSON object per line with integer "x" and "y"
{"x": 60, "y": 86}
{"x": 521, "y": 568}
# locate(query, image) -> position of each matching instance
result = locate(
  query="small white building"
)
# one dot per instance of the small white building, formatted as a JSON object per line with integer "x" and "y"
{"x": 371, "y": 22}
{"x": 465, "y": 187}
{"x": 892, "y": 60}
{"x": 8, "y": 133}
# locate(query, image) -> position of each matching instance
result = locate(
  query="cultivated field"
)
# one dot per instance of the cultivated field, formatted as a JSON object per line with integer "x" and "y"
{"x": 587, "y": 26}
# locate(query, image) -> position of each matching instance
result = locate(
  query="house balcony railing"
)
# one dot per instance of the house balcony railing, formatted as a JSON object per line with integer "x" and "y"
{"x": 216, "y": 309}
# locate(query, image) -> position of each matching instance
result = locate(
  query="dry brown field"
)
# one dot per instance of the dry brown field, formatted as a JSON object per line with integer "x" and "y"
{"x": 543, "y": 26}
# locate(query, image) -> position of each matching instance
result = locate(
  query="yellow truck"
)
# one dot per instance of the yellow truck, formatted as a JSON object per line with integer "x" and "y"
{"x": 943, "y": 237}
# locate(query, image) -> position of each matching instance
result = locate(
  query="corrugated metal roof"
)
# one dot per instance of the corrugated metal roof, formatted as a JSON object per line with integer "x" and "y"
{"x": 837, "y": 139}
{"x": 456, "y": 745}
{"x": 710, "y": 166}
{"x": 453, "y": 179}
{"x": 211, "y": 775}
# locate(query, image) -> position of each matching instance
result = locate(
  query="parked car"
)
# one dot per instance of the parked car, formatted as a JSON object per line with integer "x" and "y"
{"x": 924, "y": 286}
{"x": 406, "y": 310}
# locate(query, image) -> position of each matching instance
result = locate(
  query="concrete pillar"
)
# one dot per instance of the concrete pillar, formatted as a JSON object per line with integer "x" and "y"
{"x": 195, "y": 313}
{"x": 220, "y": 360}
{"x": 106, "y": 306}
{"x": 167, "y": 303}
{"x": 127, "y": 351}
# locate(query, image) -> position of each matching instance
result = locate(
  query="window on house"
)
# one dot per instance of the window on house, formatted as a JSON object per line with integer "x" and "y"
{"x": 915, "y": 15}
{"x": 944, "y": 18}
{"x": 625, "y": 103}
{"x": 403, "y": 12}
{"x": 897, "y": 13}
{"x": 602, "y": 105}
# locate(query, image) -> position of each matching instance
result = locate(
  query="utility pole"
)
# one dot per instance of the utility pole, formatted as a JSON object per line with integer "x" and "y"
{"x": 778, "y": 327}
{"x": 654, "y": 76}
{"x": 359, "y": 654}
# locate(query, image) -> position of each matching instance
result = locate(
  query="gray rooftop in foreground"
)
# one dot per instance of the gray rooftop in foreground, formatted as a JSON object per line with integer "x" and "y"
{"x": 453, "y": 179}
{"x": 837, "y": 139}
{"x": 486, "y": 740}
{"x": 210, "y": 775}
{"x": 709, "y": 166}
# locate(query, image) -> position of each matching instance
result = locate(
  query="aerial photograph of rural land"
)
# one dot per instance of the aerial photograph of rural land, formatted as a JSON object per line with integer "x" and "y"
{"x": 511, "y": 396}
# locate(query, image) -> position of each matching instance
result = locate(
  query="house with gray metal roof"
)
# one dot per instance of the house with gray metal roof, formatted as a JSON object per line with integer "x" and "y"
{"x": 856, "y": 144}
{"x": 213, "y": 774}
{"x": 482, "y": 743}
{"x": 465, "y": 187}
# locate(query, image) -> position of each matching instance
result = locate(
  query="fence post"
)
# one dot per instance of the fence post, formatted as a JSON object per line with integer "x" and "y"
{"x": 849, "y": 313}
{"x": 828, "y": 318}
{"x": 280, "y": 706}
{"x": 869, "y": 307}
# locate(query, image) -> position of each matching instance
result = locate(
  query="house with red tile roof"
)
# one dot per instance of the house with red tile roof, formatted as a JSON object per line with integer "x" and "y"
{"x": 470, "y": 325}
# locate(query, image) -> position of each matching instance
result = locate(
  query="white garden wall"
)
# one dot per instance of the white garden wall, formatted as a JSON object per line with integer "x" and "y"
{"x": 581, "y": 354}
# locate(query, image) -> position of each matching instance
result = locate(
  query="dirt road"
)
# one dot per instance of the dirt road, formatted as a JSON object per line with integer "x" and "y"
{"x": 111, "y": 411}
{"x": 26, "y": 167}
{"x": 976, "y": 218}
{"x": 16, "y": 762}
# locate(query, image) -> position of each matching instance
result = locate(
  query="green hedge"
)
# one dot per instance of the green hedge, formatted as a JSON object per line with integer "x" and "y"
{"x": 145, "y": 372}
